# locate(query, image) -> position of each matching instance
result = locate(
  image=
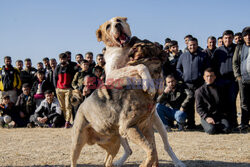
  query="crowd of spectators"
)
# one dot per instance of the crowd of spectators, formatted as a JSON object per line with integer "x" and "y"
{"x": 203, "y": 80}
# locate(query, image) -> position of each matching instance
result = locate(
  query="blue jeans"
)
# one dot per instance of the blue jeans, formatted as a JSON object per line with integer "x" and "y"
{"x": 168, "y": 114}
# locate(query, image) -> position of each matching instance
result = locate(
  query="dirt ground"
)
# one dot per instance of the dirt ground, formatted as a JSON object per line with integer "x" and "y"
{"x": 43, "y": 147}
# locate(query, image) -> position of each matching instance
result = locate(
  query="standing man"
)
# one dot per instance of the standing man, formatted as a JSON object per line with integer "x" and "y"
{"x": 241, "y": 70}
{"x": 237, "y": 38}
{"x": 50, "y": 78}
{"x": 9, "y": 80}
{"x": 89, "y": 57}
{"x": 222, "y": 63}
{"x": 63, "y": 77}
{"x": 220, "y": 42}
{"x": 211, "y": 46}
{"x": 19, "y": 65}
{"x": 190, "y": 68}
{"x": 28, "y": 75}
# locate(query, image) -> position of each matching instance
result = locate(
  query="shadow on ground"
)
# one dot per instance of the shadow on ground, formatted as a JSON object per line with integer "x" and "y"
{"x": 189, "y": 163}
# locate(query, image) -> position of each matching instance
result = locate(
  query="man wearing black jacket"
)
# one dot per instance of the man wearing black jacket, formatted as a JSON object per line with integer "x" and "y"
{"x": 209, "y": 105}
{"x": 222, "y": 64}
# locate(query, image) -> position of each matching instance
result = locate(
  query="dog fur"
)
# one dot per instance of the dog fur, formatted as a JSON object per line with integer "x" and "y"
{"x": 103, "y": 117}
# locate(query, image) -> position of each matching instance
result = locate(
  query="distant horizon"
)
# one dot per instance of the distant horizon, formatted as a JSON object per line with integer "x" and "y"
{"x": 38, "y": 29}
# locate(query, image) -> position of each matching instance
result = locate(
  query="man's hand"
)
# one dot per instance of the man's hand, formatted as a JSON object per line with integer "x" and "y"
{"x": 167, "y": 89}
{"x": 22, "y": 115}
{"x": 42, "y": 120}
{"x": 182, "y": 109}
{"x": 210, "y": 120}
{"x": 238, "y": 78}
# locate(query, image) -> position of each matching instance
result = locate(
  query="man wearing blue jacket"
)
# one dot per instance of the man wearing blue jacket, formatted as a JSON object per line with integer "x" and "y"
{"x": 190, "y": 68}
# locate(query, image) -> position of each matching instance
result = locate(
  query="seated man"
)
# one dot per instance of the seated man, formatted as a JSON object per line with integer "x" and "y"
{"x": 209, "y": 104}
{"x": 8, "y": 115}
{"x": 172, "y": 103}
{"x": 25, "y": 105}
{"x": 48, "y": 114}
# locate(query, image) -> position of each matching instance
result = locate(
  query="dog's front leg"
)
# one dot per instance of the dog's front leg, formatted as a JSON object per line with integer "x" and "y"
{"x": 126, "y": 154}
{"x": 162, "y": 131}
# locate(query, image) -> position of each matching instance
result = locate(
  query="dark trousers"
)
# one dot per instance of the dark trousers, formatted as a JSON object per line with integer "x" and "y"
{"x": 244, "y": 102}
{"x": 230, "y": 91}
{"x": 221, "y": 126}
{"x": 57, "y": 120}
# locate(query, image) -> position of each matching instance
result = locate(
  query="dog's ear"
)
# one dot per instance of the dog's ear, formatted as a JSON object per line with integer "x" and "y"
{"x": 124, "y": 19}
{"x": 99, "y": 35}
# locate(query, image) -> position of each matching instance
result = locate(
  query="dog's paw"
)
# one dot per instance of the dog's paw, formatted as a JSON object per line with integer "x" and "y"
{"x": 149, "y": 87}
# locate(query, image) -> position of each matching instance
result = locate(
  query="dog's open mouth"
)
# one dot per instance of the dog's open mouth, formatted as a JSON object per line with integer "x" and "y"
{"x": 123, "y": 39}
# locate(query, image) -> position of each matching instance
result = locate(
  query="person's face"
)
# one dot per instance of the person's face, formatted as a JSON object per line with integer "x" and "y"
{"x": 247, "y": 39}
{"x": 100, "y": 61}
{"x": 209, "y": 77}
{"x": 79, "y": 59}
{"x": 26, "y": 91}
{"x": 7, "y": 62}
{"x": 220, "y": 42}
{"x": 63, "y": 60}
{"x": 192, "y": 46}
{"x": 53, "y": 63}
{"x": 27, "y": 64}
{"x": 174, "y": 49}
{"x": 186, "y": 41}
{"x": 39, "y": 66}
{"x": 49, "y": 97}
{"x": 19, "y": 65}
{"x": 69, "y": 57}
{"x": 40, "y": 76}
{"x": 6, "y": 101}
{"x": 237, "y": 39}
{"x": 227, "y": 40}
{"x": 211, "y": 44}
{"x": 171, "y": 82}
{"x": 85, "y": 66}
{"x": 89, "y": 57}
{"x": 98, "y": 73}
{"x": 46, "y": 63}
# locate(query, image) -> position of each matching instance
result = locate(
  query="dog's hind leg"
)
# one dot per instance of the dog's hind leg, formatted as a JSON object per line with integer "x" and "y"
{"x": 162, "y": 131}
{"x": 79, "y": 138}
{"x": 138, "y": 138}
{"x": 112, "y": 148}
{"x": 126, "y": 154}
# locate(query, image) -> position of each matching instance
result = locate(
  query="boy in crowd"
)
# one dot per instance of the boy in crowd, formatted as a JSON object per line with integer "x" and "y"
{"x": 172, "y": 104}
{"x": 77, "y": 82}
{"x": 209, "y": 105}
{"x": 8, "y": 113}
{"x": 25, "y": 106}
{"x": 48, "y": 114}
{"x": 39, "y": 87}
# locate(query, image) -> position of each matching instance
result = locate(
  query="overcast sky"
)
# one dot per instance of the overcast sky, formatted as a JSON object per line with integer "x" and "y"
{"x": 45, "y": 28}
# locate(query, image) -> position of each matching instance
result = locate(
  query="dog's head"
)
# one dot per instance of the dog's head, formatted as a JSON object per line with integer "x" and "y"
{"x": 115, "y": 32}
{"x": 152, "y": 56}
{"x": 76, "y": 97}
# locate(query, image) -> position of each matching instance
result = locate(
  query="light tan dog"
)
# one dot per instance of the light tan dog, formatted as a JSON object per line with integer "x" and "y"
{"x": 106, "y": 117}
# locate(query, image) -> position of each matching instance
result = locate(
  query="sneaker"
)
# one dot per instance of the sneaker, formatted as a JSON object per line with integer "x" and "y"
{"x": 168, "y": 128}
{"x": 67, "y": 125}
{"x": 180, "y": 127}
{"x": 30, "y": 125}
